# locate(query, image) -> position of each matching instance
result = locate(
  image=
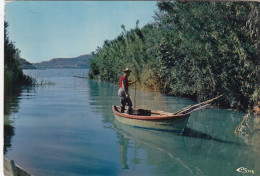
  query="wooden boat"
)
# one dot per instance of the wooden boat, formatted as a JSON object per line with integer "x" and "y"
{"x": 159, "y": 120}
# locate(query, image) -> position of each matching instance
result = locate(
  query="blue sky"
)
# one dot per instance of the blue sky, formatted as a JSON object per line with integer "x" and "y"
{"x": 45, "y": 30}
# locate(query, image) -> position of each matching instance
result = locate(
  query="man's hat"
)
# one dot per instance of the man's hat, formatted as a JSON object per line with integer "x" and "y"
{"x": 127, "y": 70}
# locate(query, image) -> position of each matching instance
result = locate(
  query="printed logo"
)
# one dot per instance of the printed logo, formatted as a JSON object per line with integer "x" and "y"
{"x": 245, "y": 170}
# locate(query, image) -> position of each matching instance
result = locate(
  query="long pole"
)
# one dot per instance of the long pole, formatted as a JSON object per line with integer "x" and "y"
{"x": 135, "y": 94}
{"x": 189, "y": 108}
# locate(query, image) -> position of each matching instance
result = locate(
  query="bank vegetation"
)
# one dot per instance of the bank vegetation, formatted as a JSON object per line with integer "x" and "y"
{"x": 192, "y": 49}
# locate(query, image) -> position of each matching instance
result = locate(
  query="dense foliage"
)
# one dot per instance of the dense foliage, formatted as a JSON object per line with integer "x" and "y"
{"x": 193, "y": 49}
{"x": 13, "y": 74}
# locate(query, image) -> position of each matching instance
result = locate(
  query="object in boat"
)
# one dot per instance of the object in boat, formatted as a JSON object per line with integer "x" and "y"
{"x": 159, "y": 120}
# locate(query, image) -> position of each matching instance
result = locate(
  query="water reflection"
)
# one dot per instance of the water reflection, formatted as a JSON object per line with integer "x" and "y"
{"x": 161, "y": 148}
{"x": 123, "y": 146}
{"x": 103, "y": 95}
{"x": 12, "y": 97}
{"x": 249, "y": 131}
{"x": 11, "y": 100}
{"x": 8, "y": 134}
{"x": 11, "y": 105}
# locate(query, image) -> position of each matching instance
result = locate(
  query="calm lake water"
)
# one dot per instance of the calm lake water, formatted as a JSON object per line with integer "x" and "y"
{"x": 68, "y": 128}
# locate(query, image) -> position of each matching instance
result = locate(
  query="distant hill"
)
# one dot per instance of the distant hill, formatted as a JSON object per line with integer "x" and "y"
{"x": 77, "y": 62}
{"x": 26, "y": 64}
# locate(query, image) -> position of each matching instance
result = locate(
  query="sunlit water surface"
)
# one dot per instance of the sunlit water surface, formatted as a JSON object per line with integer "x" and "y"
{"x": 68, "y": 128}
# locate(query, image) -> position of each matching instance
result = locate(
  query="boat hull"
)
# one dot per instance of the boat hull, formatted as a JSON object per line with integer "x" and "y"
{"x": 170, "y": 124}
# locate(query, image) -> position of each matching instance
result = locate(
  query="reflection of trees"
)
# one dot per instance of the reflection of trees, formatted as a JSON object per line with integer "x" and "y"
{"x": 12, "y": 96}
{"x": 11, "y": 101}
{"x": 8, "y": 134}
{"x": 11, "y": 105}
{"x": 249, "y": 131}
{"x": 103, "y": 95}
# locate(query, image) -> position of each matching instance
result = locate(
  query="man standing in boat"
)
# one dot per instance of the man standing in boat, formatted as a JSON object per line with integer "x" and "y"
{"x": 123, "y": 91}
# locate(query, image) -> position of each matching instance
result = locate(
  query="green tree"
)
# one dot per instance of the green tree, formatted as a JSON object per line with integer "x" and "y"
{"x": 13, "y": 73}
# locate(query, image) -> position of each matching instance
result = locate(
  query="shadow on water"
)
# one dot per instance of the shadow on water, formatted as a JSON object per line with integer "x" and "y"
{"x": 188, "y": 132}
